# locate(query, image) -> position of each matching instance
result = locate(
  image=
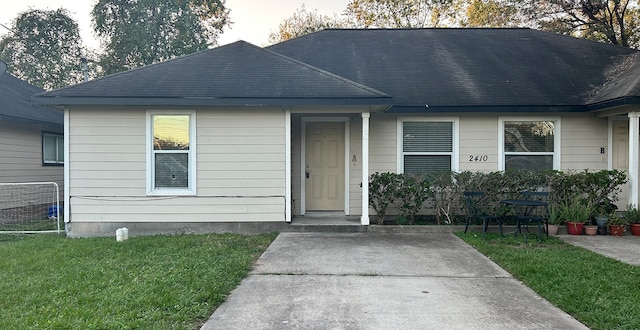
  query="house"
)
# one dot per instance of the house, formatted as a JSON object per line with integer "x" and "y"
{"x": 246, "y": 138}
{"x": 32, "y": 136}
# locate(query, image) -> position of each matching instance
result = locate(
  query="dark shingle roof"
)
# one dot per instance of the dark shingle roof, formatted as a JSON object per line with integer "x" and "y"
{"x": 235, "y": 74}
{"x": 621, "y": 87}
{"x": 423, "y": 70}
{"x": 15, "y": 103}
{"x": 464, "y": 69}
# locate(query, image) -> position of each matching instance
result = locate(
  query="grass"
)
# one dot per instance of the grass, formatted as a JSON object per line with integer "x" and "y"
{"x": 600, "y": 292}
{"x": 160, "y": 282}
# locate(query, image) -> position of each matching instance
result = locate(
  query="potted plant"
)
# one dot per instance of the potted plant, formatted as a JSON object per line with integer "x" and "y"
{"x": 554, "y": 220}
{"x": 602, "y": 212}
{"x": 632, "y": 217}
{"x": 616, "y": 225}
{"x": 575, "y": 214}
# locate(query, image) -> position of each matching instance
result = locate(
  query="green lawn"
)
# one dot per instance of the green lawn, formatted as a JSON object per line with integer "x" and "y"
{"x": 598, "y": 291}
{"x": 159, "y": 282}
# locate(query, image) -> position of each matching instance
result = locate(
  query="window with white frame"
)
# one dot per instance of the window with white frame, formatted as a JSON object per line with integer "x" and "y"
{"x": 529, "y": 144}
{"x": 171, "y": 161}
{"x": 427, "y": 147}
{"x": 52, "y": 149}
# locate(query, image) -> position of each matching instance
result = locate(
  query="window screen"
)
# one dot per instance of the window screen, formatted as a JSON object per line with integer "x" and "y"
{"x": 529, "y": 145}
{"x": 427, "y": 146}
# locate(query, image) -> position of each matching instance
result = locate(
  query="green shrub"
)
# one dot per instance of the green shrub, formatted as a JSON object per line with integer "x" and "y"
{"x": 408, "y": 193}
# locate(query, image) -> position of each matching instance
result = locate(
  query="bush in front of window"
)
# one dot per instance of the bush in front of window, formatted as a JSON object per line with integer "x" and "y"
{"x": 408, "y": 194}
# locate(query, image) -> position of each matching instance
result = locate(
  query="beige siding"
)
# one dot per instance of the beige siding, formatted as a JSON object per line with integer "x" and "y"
{"x": 240, "y": 163}
{"x": 107, "y": 153}
{"x": 355, "y": 167}
{"x": 478, "y": 138}
{"x": 582, "y": 138}
{"x": 383, "y": 144}
{"x": 241, "y": 153}
{"x": 21, "y": 160}
{"x": 21, "y": 156}
{"x": 176, "y": 209}
{"x": 296, "y": 163}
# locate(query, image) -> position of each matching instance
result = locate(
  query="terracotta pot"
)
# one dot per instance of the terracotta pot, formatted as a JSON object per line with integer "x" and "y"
{"x": 635, "y": 229}
{"x": 575, "y": 228}
{"x": 616, "y": 230}
{"x": 590, "y": 230}
{"x": 553, "y": 230}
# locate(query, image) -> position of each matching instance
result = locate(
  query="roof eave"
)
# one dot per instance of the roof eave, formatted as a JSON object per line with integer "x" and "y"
{"x": 486, "y": 108}
{"x": 618, "y": 102}
{"x": 222, "y": 101}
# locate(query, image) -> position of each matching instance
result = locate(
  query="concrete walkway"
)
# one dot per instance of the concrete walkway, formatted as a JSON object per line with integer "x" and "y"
{"x": 624, "y": 248}
{"x": 382, "y": 281}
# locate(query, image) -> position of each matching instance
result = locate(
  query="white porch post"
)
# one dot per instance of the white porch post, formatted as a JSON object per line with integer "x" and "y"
{"x": 287, "y": 174}
{"x": 364, "y": 220}
{"x": 634, "y": 140}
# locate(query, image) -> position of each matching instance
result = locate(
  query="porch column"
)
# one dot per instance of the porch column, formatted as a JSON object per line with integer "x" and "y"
{"x": 634, "y": 138}
{"x": 287, "y": 171}
{"x": 364, "y": 220}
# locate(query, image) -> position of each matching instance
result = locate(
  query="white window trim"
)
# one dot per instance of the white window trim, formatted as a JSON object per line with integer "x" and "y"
{"x": 191, "y": 189}
{"x": 557, "y": 133}
{"x": 56, "y": 136}
{"x": 455, "y": 154}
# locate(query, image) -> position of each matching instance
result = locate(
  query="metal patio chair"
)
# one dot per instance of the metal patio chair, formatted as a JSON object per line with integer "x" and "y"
{"x": 477, "y": 210}
{"x": 537, "y": 215}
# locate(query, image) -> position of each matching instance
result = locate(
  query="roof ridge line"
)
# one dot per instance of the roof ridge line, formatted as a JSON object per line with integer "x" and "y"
{"x": 324, "y": 72}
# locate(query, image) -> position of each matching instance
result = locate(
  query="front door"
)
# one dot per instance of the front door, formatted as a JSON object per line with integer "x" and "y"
{"x": 324, "y": 166}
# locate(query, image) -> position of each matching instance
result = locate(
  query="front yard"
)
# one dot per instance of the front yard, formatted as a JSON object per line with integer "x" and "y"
{"x": 160, "y": 282}
{"x": 600, "y": 292}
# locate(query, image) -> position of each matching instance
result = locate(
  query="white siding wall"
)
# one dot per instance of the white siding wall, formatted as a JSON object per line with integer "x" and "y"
{"x": 383, "y": 143}
{"x": 296, "y": 163}
{"x": 582, "y": 138}
{"x": 21, "y": 156}
{"x": 241, "y": 160}
{"x": 355, "y": 167}
{"x": 479, "y": 137}
{"x": 240, "y": 163}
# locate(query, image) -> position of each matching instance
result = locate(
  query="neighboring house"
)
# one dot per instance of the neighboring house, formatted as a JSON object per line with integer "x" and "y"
{"x": 31, "y": 136}
{"x": 242, "y": 137}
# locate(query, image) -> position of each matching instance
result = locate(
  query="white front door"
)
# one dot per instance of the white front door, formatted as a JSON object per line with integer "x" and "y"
{"x": 324, "y": 166}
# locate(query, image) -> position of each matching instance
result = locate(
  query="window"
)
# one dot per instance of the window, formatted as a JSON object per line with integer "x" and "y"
{"x": 529, "y": 144}
{"x": 171, "y": 154}
{"x": 52, "y": 149}
{"x": 427, "y": 147}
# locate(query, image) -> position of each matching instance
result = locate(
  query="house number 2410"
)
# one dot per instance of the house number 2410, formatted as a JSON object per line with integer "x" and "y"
{"x": 478, "y": 158}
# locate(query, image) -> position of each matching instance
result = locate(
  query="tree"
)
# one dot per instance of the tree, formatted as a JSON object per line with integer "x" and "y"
{"x": 490, "y": 13}
{"x": 402, "y": 13}
{"x": 141, "y": 32}
{"x": 611, "y": 21}
{"x": 303, "y": 22}
{"x": 43, "y": 48}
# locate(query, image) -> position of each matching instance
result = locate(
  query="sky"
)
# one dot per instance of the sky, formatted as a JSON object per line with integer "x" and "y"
{"x": 253, "y": 19}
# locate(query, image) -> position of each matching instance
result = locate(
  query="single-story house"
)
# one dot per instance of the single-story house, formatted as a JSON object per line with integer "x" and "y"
{"x": 249, "y": 137}
{"x": 32, "y": 140}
